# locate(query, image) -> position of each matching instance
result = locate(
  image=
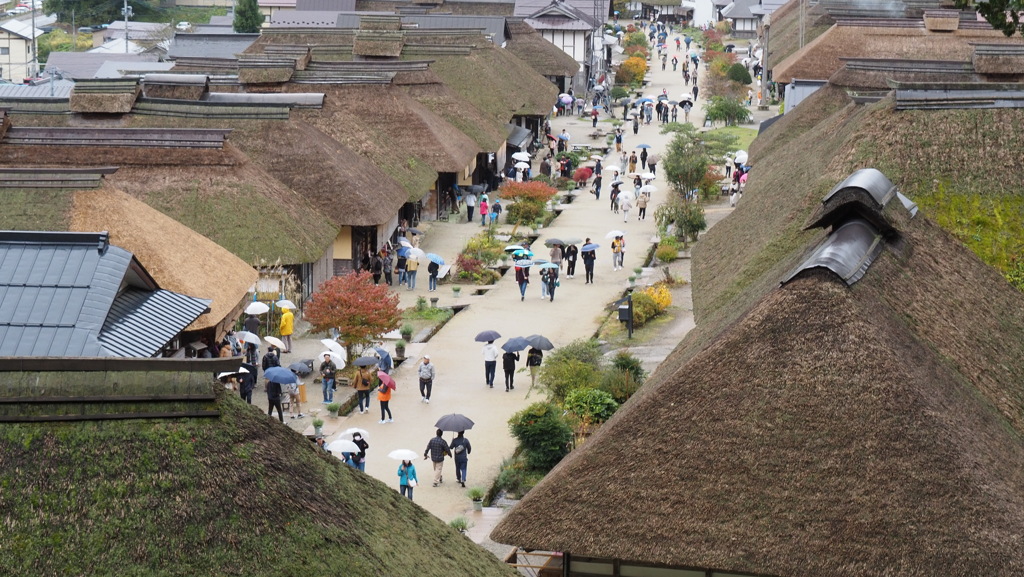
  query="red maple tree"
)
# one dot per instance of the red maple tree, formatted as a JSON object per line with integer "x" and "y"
{"x": 359, "y": 309}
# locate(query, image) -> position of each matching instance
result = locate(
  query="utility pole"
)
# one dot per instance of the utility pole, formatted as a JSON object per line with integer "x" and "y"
{"x": 35, "y": 53}
{"x": 127, "y": 11}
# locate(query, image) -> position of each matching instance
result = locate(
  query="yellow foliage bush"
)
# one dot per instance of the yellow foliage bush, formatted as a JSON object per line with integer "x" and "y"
{"x": 631, "y": 70}
{"x": 661, "y": 296}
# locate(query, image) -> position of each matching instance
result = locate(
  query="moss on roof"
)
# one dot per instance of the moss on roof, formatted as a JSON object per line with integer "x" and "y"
{"x": 236, "y": 495}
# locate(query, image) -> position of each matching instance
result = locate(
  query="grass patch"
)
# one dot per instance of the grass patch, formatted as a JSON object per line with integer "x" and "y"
{"x": 744, "y": 136}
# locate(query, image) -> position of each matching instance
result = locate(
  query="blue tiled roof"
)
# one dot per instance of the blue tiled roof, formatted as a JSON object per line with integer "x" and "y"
{"x": 141, "y": 322}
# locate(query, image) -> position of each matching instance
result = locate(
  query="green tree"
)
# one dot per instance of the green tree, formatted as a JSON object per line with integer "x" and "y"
{"x": 60, "y": 41}
{"x": 690, "y": 154}
{"x": 543, "y": 434}
{"x": 738, "y": 73}
{"x": 89, "y": 12}
{"x": 1003, "y": 15}
{"x": 248, "y": 19}
{"x": 728, "y": 110}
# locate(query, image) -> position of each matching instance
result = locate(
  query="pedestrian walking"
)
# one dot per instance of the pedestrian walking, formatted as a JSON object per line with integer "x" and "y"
{"x": 597, "y": 188}
{"x": 618, "y": 137}
{"x": 632, "y": 161}
{"x": 589, "y": 257}
{"x": 555, "y": 255}
{"x": 245, "y": 386}
{"x": 274, "y": 400}
{"x": 522, "y": 279}
{"x": 387, "y": 264}
{"x": 495, "y": 210}
{"x": 384, "y": 398}
{"x": 483, "y": 209}
{"x": 544, "y": 282}
{"x": 432, "y": 269}
{"x": 470, "y": 200}
{"x": 437, "y": 449}
{"x": 636, "y": 124}
{"x": 675, "y": 60}
{"x": 327, "y": 371}
{"x": 411, "y": 266}
{"x": 363, "y": 383}
{"x": 625, "y": 205}
{"x": 461, "y": 448}
{"x": 294, "y": 401}
{"x": 360, "y": 458}
{"x": 271, "y": 359}
{"x": 490, "y": 353}
{"x": 407, "y": 478}
{"x": 533, "y": 359}
{"x": 287, "y": 328}
{"x": 593, "y": 116}
{"x": 552, "y": 282}
{"x": 617, "y": 250}
{"x": 252, "y": 324}
{"x": 426, "y": 372}
{"x": 652, "y": 160}
{"x": 400, "y": 265}
{"x": 508, "y": 365}
{"x": 641, "y": 207}
{"x": 643, "y": 159}
{"x": 695, "y": 91}
{"x": 571, "y": 254}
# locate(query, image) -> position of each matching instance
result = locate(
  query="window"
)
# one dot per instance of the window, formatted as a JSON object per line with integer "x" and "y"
{"x": 4, "y": 51}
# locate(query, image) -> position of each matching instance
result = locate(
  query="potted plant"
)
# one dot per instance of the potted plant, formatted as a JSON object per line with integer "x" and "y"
{"x": 476, "y": 494}
{"x": 400, "y": 349}
{"x": 456, "y": 290}
{"x": 318, "y": 427}
{"x": 632, "y": 280}
{"x": 460, "y": 524}
{"x": 406, "y": 332}
{"x": 638, "y": 271}
{"x": 333, "y": 408}
{"x": 537, "y": 225}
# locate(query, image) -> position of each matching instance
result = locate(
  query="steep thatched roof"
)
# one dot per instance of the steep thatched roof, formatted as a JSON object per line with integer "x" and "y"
{"x": 784, "y": 32}
{"x": 234, "y": 494}
{"x": 818, "y": 429}
{"x": 543, "y": 56}
{"x": 497, "y": 82}
{"x": 820, "y": 58}
{"x": 218, "y": 276}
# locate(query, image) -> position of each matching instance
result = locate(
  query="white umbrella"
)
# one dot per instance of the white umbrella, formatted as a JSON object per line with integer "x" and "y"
{"x": 247, "y": 337}
{"x": 256, "y": 308}
{"x": 686, "y": 96}
{"x": 339, "y": 360}
{"x": 521, "y": 156}
{"x": 347, "y": 433}
{"x": 335, "y": 347}
{"x": 416, "y": 253}
{"x": 403, "y": 455}
{"x": 613, "y": 168}
{"x": 647, "y": 176}
{"x": 276, "y": 342}
{"x": 404, "y": 242}
{"x": 339, "y": 446}
{"x": 596, "y": 157}
{"x": 626, "y": 197}
{"x": 286, "y": 304}
{"x": 521, "y": 165}
{"x": 614, "y": 234}
{"x": 741, "y": 157}
{"x": 648, "y": 188}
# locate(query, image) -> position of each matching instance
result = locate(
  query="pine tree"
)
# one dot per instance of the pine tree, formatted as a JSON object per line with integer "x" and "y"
{"x": 248, "y": 19}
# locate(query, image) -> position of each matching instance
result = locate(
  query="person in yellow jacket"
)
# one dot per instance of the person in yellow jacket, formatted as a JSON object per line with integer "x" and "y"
{"x": 287, "y": 328}
{"x": 363, "y": 383}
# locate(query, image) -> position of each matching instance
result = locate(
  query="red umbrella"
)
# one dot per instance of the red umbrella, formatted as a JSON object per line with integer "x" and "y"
{"x": 552, "y": 137}
{"x": 583, "y": 174}
{"x": 387, "y": 380}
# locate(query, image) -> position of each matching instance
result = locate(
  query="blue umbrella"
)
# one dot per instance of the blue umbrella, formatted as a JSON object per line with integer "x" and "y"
{"x": 522, "y": 253}
{"x": 403, "y": 251}
{"x": 524, "y": 263}
{"x": 643, "y": 146}
{"x": 643, "y": 101}
{"x": 563, "y": 136}
{"x": 385, "y": 359}
{"x": 590, "y": 246}
{"x": 280, "y": 375}
{"x": 515, "y": 344}
{"x": 549, "y": 265}
{"x": 435, "y": 258}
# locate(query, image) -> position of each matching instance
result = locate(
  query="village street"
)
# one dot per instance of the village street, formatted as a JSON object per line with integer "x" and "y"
{"x": 575, "y": 313}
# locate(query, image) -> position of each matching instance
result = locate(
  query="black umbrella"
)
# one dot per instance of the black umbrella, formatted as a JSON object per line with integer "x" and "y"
{"x": 487, "y": 336}
{"x": 414, "y": 230}
{"x": 553, "y": 241}
{"x": 515, "y": 344}
{"x": 301, "y": 369}
{"x": 540, "y": 342}
{"x": 454, "y": 422}
{"x": 366, "y": 361}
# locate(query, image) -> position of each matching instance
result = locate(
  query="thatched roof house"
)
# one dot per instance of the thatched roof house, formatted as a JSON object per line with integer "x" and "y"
{"x": 883, "y": 39}
{"x": 818, "y": 428}
{"x": 193, "y": 481}
{"x": 532, "y": 48}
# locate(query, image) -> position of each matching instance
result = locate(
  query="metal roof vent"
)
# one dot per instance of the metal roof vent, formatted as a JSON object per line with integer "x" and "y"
{"x": 864, "y": 194}
{"x": 848, "y": 252}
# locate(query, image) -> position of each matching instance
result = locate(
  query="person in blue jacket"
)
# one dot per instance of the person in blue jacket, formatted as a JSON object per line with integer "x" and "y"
{"x": 407, "y": 478}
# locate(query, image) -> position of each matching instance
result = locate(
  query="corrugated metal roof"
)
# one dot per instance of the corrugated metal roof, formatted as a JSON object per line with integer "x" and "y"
{"x": 326, "y": 5}
{"x": 85, "y": 64}
{"x": 141, "y": 322}
{"x": 59, "y": 298}
{"x": 210, "y": 45}
{"x": 61, "y": 89}
{"x": 23, "y": 29}
{"x": 848, "y": 251}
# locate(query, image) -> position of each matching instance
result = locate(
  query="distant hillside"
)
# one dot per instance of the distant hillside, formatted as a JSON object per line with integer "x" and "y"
{"x": 238, "y": 495}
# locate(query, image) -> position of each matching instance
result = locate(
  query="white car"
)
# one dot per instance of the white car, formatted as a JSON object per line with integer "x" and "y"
{"x": 183, "y": 26}
{"x": 20, "y": 10}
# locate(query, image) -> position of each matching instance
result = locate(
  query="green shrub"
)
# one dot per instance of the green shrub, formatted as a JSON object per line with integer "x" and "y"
{"x": 584, "y": 350}
{"x": 738, "y": 73}
{"x": 591, "y": 405}
{"x": 562, "y": 377}
{"x": 644, "y": 308}
{"x": 666, "y": 253}
{"x": 619, "y": 384}
{"x": 619, "y": 92}
{"x": 515, "y": 477}
{"x": 624, "y": 361}
{"x": 525, "y": 212}
{"x": 543, "y": 434}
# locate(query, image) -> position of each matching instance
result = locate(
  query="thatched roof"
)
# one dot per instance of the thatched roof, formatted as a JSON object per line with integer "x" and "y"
{"x": 820, "y": 58}
{"x": 543, "y": 56}
{"x": 234, "y": 494}
{"x": 816, "y": 429}
{"x": 394, "y": 122}
{"x": 486, "y": 131}
{"x": 873, "y": 74}
{"x": 168, "y": 250}
{"x": 497, "y": 82}
{"x": 784, "y": 32}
